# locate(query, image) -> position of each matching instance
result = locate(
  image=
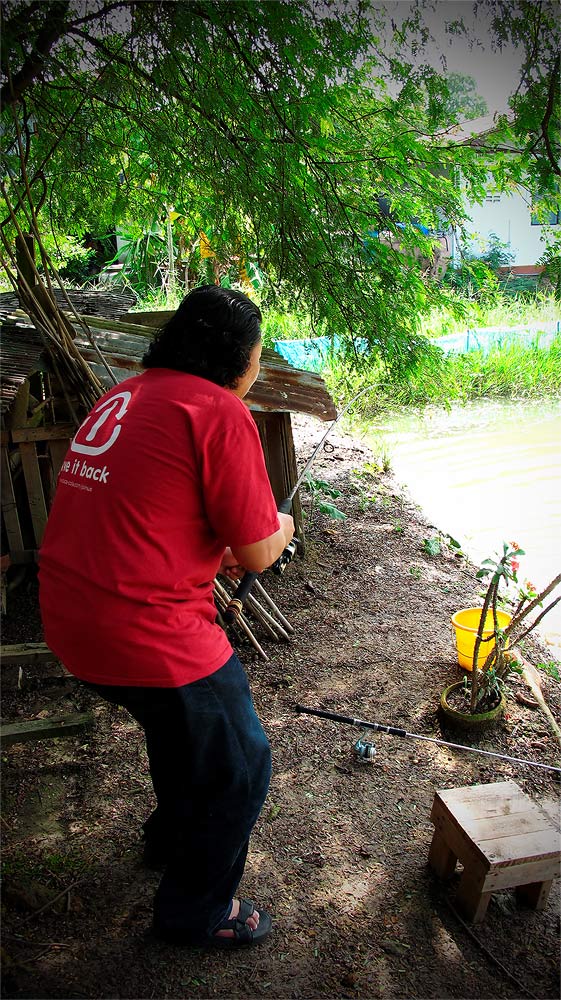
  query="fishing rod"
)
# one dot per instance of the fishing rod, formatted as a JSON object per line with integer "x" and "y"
{"x": 234, "y": 609}
{"x": 394, "y": 731}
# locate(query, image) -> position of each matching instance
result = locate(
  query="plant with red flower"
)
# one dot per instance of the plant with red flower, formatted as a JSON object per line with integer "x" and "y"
{"x": 488, "y": 682}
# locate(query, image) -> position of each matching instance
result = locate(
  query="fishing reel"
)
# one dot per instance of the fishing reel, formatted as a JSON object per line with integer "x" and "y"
{"x": 364, "y": 749}
{"x": 285, "y": 557}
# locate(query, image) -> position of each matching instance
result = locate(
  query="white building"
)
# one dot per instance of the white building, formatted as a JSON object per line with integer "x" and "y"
{"x": 507, "y": 215}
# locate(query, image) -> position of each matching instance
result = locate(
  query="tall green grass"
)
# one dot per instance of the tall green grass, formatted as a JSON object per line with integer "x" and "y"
{"x": 512, "y": 371}
{"x": 508, "y": 372}
{"x": 502, "y": 310}
{"x": 288, "y": 325}
{"x": 159, "y": 299}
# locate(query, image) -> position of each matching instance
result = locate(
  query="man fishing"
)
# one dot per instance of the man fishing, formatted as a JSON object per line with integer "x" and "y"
{"x": 165, "y": 485}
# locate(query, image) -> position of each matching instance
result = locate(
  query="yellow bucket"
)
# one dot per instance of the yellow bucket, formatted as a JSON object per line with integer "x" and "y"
{"x": 466, "y": 626}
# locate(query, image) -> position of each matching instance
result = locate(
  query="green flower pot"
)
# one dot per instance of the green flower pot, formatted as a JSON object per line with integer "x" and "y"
{"x": 465, "y": 720}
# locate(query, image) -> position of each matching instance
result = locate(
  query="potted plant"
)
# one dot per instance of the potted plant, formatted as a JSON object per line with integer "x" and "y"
{"x": 486, "y": 636}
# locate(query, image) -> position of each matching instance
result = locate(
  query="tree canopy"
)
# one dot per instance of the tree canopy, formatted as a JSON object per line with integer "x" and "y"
{"x": 463, "y": 100}
{"x": 269, "y": 127}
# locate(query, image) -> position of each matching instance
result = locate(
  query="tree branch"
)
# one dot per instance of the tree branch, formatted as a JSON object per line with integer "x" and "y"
{"x": 35, "y": 62}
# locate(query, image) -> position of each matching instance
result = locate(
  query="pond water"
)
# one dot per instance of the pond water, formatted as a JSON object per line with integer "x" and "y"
{"x": 485, "y": 473}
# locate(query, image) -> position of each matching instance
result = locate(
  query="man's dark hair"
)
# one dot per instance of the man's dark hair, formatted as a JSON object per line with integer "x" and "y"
{"x": 211, "y": 335}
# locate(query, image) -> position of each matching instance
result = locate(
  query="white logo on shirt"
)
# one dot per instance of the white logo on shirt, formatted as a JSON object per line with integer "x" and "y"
{"x": 113, "y": 408}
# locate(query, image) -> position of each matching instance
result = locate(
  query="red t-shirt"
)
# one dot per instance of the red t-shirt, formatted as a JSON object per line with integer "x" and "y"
{"x": 164, "y": 473}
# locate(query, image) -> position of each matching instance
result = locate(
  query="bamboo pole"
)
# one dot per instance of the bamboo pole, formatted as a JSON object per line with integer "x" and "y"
{"x": 265, "y": 620}
{"x": 36, "y": 296}
{"x": 275, "y": 627}
{"x": 274, "y": 621}
{"x": 223, "y": 600}
{"x": 258, "y": 586}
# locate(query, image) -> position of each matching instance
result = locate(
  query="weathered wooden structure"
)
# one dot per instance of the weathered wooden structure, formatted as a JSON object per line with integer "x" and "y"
{"x": 37, "y": 426}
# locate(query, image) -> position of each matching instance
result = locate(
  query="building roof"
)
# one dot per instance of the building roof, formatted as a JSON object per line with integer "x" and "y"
{"x": 476, "y": 131}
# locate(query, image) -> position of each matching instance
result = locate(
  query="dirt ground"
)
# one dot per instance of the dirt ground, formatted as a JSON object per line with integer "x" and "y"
{"x": 339, "y": 855}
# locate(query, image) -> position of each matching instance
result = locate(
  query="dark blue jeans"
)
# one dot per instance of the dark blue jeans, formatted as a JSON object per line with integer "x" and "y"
{"x": 210, "y": 763}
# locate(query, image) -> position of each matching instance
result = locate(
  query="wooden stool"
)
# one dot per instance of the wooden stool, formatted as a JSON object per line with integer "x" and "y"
{"x": 502, "y": 838}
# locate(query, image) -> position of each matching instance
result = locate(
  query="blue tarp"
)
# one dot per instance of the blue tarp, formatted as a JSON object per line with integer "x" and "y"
{"x": 485, "y": 338}
{"x": 311, "y": 354}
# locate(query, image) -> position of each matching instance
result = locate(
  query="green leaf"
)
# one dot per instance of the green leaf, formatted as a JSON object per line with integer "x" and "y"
{"x": 432, "y": 546}
{"x": 332, "y": 511}
{"x": 294, "y": 102}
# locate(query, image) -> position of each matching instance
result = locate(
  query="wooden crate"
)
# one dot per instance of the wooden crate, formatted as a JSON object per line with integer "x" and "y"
{"x": 31, "y": 458}
{"x": 41, "y": 451}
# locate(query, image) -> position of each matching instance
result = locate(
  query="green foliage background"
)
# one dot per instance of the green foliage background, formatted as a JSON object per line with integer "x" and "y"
{"x": 290, "y": 134}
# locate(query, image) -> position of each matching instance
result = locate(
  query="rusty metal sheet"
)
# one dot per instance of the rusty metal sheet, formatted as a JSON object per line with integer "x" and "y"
{"x": 279, "y": 388}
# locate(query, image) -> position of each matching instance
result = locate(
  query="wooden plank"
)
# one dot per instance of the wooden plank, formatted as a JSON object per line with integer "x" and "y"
{"x": 526, "y": 874}
{"x": 499, "y": 853}
{"x": 111, "y": 325}
{"x": 471, "y": 900}
{"x": 57, "y": 452}
{"x": 275, "y": 432}
{"x": 34, "y": 484}
{"x": 495, "y": 799}
{"x": 9, "y": 507}
{"x": 494, "y": 827}
{"x": 42, "y": 729}
{"x": 457, "y": 839}
{"x": 289, "y": 453}
{"x": 26, "y": 652}
{"x": 18, "y": 410}
{"x": 505, "y": 851}
{"x": 58, "y": 432}
{"x": 496, "y": 809}
{"x": 441, "y": 859}
{"x": 507, "y": 837}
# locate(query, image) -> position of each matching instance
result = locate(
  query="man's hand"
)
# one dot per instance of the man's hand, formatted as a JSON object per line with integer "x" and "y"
{"x": 286, "y": 522}
{"x": 230, "y": 566}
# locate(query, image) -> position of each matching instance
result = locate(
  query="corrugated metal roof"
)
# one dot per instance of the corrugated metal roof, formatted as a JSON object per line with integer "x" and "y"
{"x": 22, "y": 352}
{"x": 86, "y": 301}
{"x": 280, "y": 387}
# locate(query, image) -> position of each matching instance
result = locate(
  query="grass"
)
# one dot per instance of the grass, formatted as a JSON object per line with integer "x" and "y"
{"x": 502, "y": 310}
{"x": 513, "y": 371}
{"x": 285, "y": 325}
{"x": 159, "y": 299}
{"x": 510, "y": 371}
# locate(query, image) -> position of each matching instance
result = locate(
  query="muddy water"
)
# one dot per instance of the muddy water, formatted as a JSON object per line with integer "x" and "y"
{"x": 484, "y": 473}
